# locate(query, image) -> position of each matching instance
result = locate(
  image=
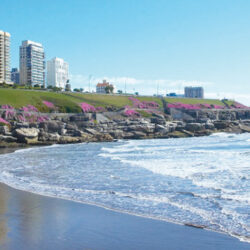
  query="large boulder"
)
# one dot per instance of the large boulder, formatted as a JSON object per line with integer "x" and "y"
{"x": 4, "y": 130}
{"x": 27, "y": 135}
{"x": 4, "y": 138}
{"x": 221, "y": 124}
{"x": 193, "y": 127}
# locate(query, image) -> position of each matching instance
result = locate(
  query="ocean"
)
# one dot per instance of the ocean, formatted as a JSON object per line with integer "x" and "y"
{"x": 203, "y": 181}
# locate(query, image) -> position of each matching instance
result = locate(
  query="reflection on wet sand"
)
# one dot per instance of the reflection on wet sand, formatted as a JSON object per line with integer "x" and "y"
{"x": 3, "y": 222}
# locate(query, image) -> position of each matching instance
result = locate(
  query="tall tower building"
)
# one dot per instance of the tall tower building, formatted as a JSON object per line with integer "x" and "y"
{"x": 4, "y": 57}
{"x": 32, "y": 64}
{"x": 57, "y": 73}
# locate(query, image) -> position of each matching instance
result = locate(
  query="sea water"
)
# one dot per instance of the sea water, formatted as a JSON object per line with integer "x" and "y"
{"x": 204, "y": 181}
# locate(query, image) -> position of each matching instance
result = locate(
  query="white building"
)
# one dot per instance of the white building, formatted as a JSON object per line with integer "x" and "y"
{"x": 4, "y": 57}
{"x": 32, "y": 64}
{"x": 194, "y": 92}
{"x": 101, "y": 87}
{"x": 57, "y": 73}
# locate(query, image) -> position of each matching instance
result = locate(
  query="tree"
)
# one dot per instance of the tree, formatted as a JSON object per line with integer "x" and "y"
{"x": 76, "y": 90}
{"x": 137, "y": 93}
{"x": 81, "y": 89}
{"x": 68, "y": 87}
{"x": 109, "y": 89}
{"x": 119, "y": 91}
{"x": 15, "y": 86}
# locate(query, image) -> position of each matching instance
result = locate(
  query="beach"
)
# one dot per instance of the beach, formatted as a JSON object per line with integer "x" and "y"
{"x": 30, "y": 221}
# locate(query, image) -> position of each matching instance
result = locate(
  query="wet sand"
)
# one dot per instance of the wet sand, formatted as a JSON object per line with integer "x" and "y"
{"x": 31, "y": 221}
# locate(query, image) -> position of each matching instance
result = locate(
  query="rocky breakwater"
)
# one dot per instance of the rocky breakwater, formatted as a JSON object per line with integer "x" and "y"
{"x": 109, "y": 126}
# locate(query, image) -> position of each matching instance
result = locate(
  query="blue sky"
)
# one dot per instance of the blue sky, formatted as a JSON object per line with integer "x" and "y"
{"x": 143, "y": 42}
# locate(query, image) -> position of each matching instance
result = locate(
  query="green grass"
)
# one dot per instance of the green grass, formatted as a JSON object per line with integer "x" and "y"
{"x": 194, "y": 101}
{"x": 66, "y": 102}
{"x": 69, "y": 102}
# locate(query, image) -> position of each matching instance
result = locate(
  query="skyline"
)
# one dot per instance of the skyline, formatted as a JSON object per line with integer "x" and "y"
{"x": 145, "y": 43}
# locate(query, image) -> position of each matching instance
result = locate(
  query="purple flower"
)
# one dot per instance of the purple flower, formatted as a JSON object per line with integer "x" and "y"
{"x": 49, "y": 104}
{"x": 3, "y": 121}
{"x": 144, "y": 104}
{"x": 29, "y": 108}
{"x": 6, "y": 107}
{"x": 87, "y": 107}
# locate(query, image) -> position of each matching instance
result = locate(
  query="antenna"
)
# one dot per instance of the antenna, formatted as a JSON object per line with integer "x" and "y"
{"x": 90, "y": 76}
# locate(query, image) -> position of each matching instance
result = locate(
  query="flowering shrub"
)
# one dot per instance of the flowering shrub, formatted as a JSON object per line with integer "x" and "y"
{"x": 42, "y": 118}
{"x": 21, "y": 118}
{"x": 179, "y": 105}
{"x": 144, "y": 104}
{"x": 2, "y": 121}
{"x": 131, "y": 112}
{"x": 6, "y": 107}
{"x": 9, "y": 114}
{"x": 29, "y": 108}
{"x": 238, "y": 106}
{"x": 218, "y": 107}
{"x": 205, "y": 105}
{"x": 100, "y": 109}
{"x": 87, "y": 107}
{"x": 50, "y": 105}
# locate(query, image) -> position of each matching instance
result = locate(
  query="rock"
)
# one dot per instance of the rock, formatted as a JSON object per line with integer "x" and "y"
{"x": 81, "y": 117}
{"x": 100, "y": 118}
{"x": 51, "y": 137}
{"x": 138, "y": 135}
{"x": 244, "y": 128}
{"x": 4, "y": 130}
{"x": 209, "y": 125}
{"x": 193, "y": 127}
{"x": 91, "y": 131}
{"x": 22, "y": 125}
{"x": 157, "y": 120}
{"x": 221, "y": 124}
{"x": 104, "y": 137}
{"x": 161, "y": 129}
{"x": 117, "y": 134}
{"x": 52, "y": 126}
{"x": 25, "y": 134}
{"x": 178, "y": 134}
{"x": 5, "y": 138}
{"x": 68, "y": 139}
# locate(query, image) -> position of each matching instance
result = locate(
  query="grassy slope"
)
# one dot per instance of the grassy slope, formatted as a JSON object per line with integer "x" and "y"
{"x": 194, "y": 101}
{"x": 69, "y": 102}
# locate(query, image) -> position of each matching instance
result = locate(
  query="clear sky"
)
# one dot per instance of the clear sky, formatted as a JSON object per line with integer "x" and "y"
{"x": 169, "y": 43}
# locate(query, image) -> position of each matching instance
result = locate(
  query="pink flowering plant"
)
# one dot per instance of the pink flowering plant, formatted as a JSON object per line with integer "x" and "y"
{"x": 239, "y": 106}
{"x": 143, "y": 104}
{"x": 87, "y": 107}
{"x": 131, "y": 112}
{"x": 29, "y": 108}
{"x": 7, "y": 107}
{"x": 178, "y": 105}
{"x": 49, "y": 105}
{"x": 3, "y": 122}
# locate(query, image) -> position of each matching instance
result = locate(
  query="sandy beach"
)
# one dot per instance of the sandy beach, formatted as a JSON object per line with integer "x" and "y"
{"x": 30, "y": 221}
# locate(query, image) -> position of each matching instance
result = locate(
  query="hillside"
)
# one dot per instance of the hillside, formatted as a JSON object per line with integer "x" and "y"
{"x": 69, "y": 102}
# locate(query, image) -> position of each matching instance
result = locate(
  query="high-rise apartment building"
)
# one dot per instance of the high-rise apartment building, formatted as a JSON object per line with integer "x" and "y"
{"x": 4, "y": 57}
{"x": 194, "y": 92}
{"x": 15, "y": 75}
{"x": 32, "y": 64}
{"x": 57, "y": 73}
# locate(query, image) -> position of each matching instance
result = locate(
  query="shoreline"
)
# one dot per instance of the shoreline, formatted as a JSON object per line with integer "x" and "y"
{"x": 124, "y": 213}
{"x": 105, "y": 228}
